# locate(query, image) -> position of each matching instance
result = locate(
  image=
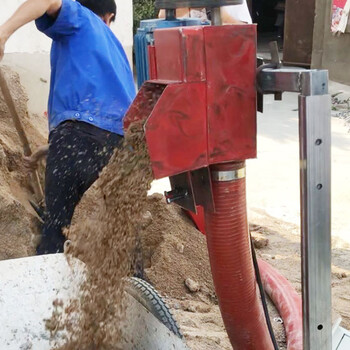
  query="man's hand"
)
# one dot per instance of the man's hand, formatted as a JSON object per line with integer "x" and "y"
{"x": 31, "y": 162}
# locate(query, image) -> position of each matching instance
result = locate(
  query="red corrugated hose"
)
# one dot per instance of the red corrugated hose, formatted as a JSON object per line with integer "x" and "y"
{"x": 231, "y": 260}
{"x": 287, "y": 301}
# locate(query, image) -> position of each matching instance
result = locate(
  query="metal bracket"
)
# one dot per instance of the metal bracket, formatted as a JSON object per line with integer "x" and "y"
{"x": 315, "y": 189}
{"x": 191, "y": 189}
{"x": 306, "y": 82}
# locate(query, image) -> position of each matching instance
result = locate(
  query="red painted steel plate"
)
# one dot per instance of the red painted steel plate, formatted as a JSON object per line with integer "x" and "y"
{"x": 231, "y": 94}
{"x": 180, "y": 54}
{"x": 176, "y": 131}
{"x": 144, "y": 102}
{"x": 169, "y": 54}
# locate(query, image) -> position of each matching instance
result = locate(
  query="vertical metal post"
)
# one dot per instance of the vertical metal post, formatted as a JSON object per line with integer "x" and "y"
{"x": 170, "y": 14}
{"x": 315, "y": 172}
{"x": 216, "y": 16}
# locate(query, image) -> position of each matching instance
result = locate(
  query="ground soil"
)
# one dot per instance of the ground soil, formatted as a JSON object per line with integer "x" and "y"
{"x": 174, "y": 251}
{"x": 198, "y": 313}
{"x": 177, "y": 240}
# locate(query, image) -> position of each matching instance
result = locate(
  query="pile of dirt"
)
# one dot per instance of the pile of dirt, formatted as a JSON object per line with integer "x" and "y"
{"x": 283, "y": 253}
{"x": 105, "y": 243}
{"x": 173, "y": 249}
{"x": 175, "y": 252}
{"x": 18, "y": 223}
{"x": 176, "y": 263}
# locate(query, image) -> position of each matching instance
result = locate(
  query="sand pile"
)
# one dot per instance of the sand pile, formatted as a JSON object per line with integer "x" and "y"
{"x": 177, "y": 264}
{"x": 173, "y": 250}
{"x": 18, "y": 223}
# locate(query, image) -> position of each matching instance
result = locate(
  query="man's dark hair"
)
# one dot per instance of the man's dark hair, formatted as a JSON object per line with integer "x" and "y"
{"x": 100, "y": 7}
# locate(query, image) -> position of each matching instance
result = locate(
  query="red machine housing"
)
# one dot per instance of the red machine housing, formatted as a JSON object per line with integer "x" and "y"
{"x": 206, "y": 115}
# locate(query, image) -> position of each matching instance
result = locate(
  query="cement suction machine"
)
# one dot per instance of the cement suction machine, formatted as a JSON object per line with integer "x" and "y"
{"x": 200, "y": 106}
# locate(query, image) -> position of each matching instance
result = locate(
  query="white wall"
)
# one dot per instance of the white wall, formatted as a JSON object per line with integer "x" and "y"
{"x": 123, "y": 25}
{"x": 29, "y": 40}
{"x": 27, "y": 51}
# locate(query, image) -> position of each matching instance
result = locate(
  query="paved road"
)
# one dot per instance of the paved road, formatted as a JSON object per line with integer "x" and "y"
{"x": 273, "y": 178}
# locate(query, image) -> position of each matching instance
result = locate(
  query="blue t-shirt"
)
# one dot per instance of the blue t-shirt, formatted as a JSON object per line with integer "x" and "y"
{"x": 91, "y": 79}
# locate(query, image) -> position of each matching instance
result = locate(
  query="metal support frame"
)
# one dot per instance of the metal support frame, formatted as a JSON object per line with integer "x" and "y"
{"x": 170, "y": 14}
{"x": 315, "y": 188}
{"x": 172, "y": 4}
{"x": 216, "y": 16}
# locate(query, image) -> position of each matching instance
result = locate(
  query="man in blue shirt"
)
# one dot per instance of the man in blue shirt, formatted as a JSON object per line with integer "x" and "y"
{"x": 91, "y": 89}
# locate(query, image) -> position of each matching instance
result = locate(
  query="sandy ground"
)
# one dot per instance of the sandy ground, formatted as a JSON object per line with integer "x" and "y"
{"x": 175, "y": 251}
{"x": 202, "y": 325}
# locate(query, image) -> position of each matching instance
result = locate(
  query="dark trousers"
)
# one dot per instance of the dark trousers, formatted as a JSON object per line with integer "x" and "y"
{"x": 78, "y": 152}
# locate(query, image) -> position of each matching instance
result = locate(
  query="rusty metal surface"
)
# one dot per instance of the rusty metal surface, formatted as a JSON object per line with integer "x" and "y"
{"x": 144, "y": 103}
{"x": 299, "y": 29}
{"x": 201, "y": 110}
{"x": 197, "y": 186}
{"x": 201, "y": 184}
{"x": 183, "y": 181}
{"x": 176, "y": 131}
{"x": 194, "y": 55}
{"x": 169, "y": 54}
{"x": 231, "y": 74}
{"x": 180, "y": 54}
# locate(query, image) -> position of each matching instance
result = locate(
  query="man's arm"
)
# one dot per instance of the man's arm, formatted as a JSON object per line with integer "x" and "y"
{"x": 27, "y": 12}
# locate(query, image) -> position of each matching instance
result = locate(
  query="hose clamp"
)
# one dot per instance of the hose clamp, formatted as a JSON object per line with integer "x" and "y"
{"x": 228, "y": 175}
